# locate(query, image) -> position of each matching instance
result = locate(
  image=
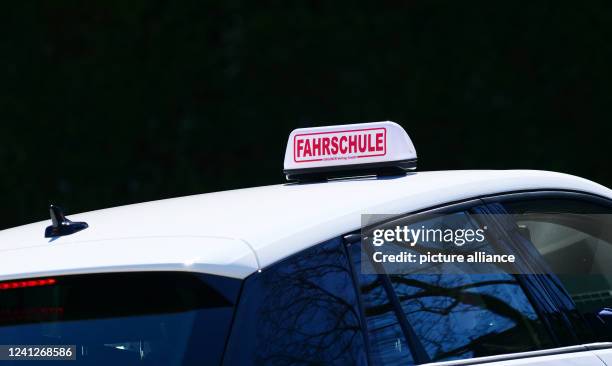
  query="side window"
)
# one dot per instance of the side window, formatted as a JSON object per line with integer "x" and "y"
{"x": 300, "y": 311}
{"x": 574, "y": 237}
{"x": 466, "y": 316}
{"x": 449, "y": 314}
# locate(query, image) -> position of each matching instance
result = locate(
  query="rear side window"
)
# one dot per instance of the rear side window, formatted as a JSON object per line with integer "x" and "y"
{"x": 301, "y": 311}
{"x": 156, "y": 318}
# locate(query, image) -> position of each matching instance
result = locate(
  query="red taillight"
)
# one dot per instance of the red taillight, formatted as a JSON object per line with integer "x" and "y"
{"x": 26, "y": 283}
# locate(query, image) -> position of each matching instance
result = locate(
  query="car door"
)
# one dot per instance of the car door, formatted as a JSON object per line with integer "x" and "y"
{"x": 573, "y": 234}
{"x": 458, "y": 318}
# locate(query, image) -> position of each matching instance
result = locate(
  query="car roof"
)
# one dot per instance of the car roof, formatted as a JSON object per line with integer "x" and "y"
{"x": 235, "y": 233}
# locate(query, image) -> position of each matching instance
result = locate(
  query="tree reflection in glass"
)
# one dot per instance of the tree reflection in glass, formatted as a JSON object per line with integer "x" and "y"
{"x": 301, "y": 311}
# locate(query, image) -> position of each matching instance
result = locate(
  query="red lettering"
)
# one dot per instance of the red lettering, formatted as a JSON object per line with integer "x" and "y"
{"x": 325, "y": 148}
{"x": 343, "y": 147}
{"x": 363, "y": 141}
{"x": 353, "y": 144}
{"x": 379, "y": 142}
{"x": 334, "y": 145}
{"x": 307, "y": 151}
{"x": 359, "y": 143}
{"x": 316, "y": 147}
{"x": 371, "y": 146}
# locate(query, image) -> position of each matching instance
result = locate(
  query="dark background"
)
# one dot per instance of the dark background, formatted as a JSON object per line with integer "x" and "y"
{"x": 115, "y": 102}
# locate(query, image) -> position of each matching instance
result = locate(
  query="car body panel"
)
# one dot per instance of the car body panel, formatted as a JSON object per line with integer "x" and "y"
{"x": 191, "y": 254}
{"x": 584, "y": 354}
{"x": 244, "y": 230}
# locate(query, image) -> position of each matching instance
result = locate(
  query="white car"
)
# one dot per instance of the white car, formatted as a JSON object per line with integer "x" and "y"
{"x": 272, "y": 275}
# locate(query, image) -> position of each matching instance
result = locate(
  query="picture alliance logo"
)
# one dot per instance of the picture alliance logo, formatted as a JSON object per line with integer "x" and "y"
{"x": 414, "y": 236}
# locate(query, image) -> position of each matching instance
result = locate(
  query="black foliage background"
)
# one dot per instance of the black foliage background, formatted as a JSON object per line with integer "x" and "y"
{"x": 105, "y": 103}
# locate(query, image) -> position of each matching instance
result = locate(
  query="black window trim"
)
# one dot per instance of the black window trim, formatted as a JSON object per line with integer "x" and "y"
{"x": 347, "y": 241}
{"x": 232, "y": 321}
{"x": 547, "y": 193}
{"x": 419, "y": 354}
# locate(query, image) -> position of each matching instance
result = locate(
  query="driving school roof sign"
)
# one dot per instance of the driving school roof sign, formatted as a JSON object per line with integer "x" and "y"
{"x": 323, "y": 152}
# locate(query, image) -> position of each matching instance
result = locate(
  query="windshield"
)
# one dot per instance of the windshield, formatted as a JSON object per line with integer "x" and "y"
{"x": 155, "y": 318}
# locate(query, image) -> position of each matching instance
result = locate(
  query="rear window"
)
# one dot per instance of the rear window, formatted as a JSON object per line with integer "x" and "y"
{"x": 155, "y": 318}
